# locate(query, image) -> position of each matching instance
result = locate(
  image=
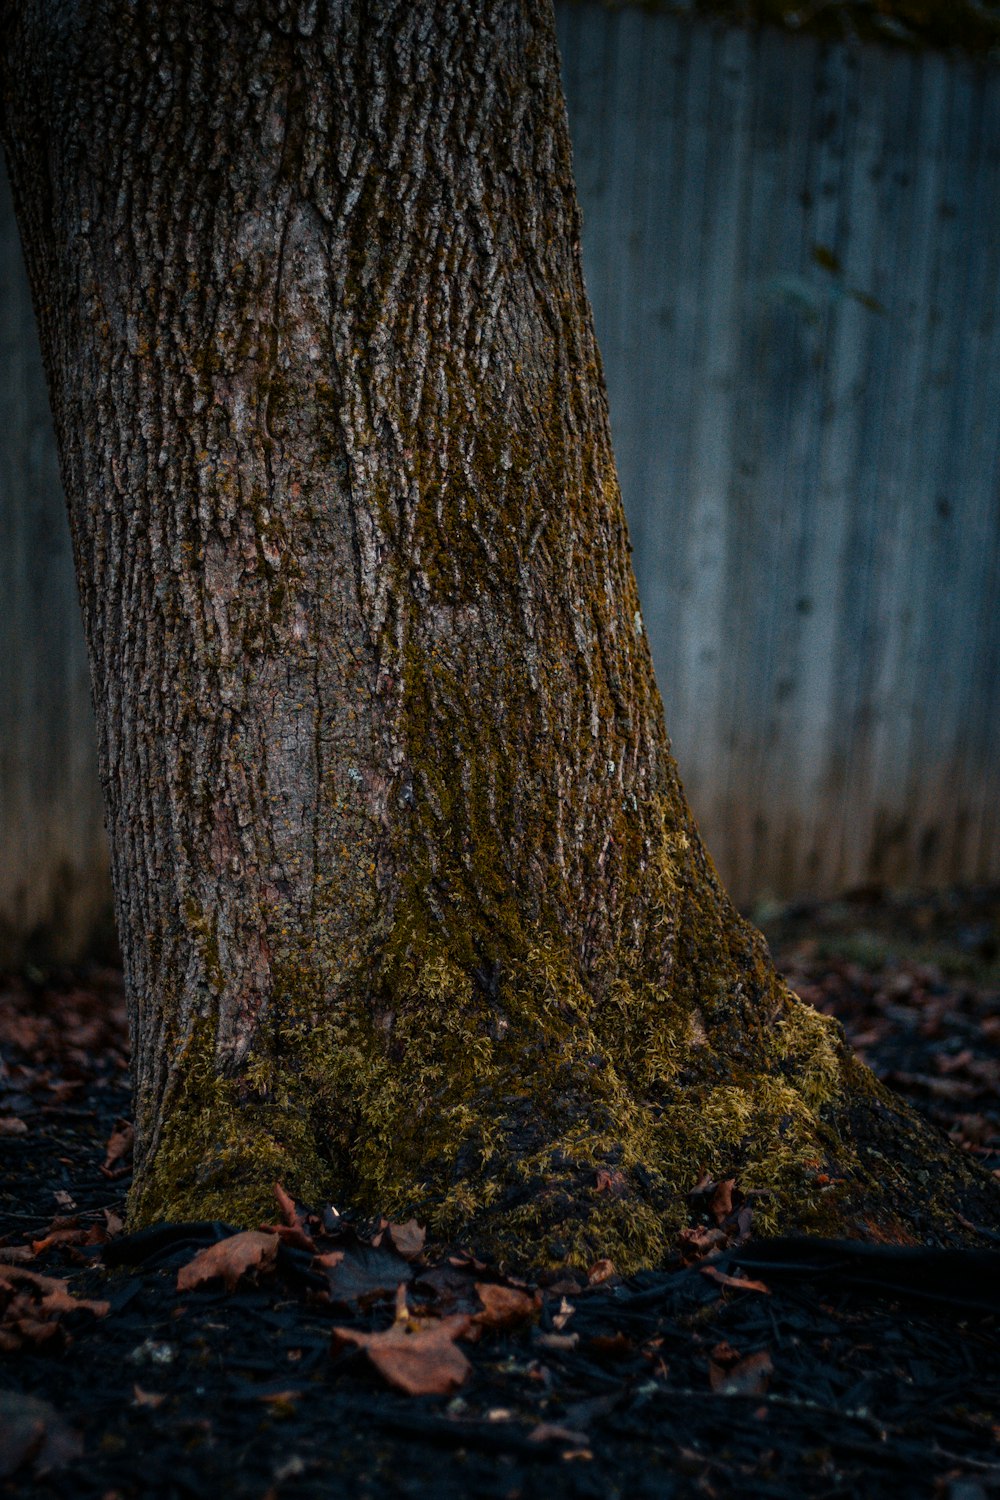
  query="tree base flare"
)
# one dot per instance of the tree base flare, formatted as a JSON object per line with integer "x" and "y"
{"x": 567, "y": 1145}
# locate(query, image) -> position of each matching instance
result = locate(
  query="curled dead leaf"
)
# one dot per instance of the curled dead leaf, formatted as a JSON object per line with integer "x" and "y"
{"x": 32, "y": 1306}
{"x": 551, "y": 1432}
{"x": 504, "y": 1306}
{"x": 613, "y": 1183}
{"x": 231, "y": 1259}
{"x": 118, "y": 1155}
{"x": 149, "y": 1399}
{"x": 744, "y": 1377}
{"x": 408, "y": 1239}
{"x": 420, "y": 1358}
{"x": 600, "y": 1271}
{"x": 720, "y": 1204}
{"x": 738, "y": 1283}
{"x": 32, "y": 1433}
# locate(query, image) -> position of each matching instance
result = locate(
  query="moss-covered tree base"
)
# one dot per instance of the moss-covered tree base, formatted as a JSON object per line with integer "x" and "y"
{"x": 520, "y": 1120}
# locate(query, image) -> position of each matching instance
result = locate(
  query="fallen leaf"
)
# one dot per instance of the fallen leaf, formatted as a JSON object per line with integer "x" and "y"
{"x": 31, "y": 1431}
{"x": 32, "y": 1306}
{"x": 286, "y": 1205}
{"x": 559, "y": 1342}
{"x": 550, "y": 1432}
{"x": 150, "y": 1399}
{"x": 421, "y": 1359}
{"x": 562, "y": 1317}
{"x": 720, "y": 1204}
{"x": 453, "y": 1288}
{"x": 600, "y": 1271}
{"x": 113, "y": 1225}
{"x": 118, "y": 1156}
{"x": 231, "y": 1259}
{"x": 53, "y": 1293}
{"x": 363, "y": 1274}
{"x": 747, "y": 1377}
{"x": 408, "y": 1239}
{"x": 503, "y": 1306}
{"x": 697, "y": 1242}
{"x": 292, "y": 1229}
{"x": 738, "y": 1283}
{"x": 613, "y": 1183}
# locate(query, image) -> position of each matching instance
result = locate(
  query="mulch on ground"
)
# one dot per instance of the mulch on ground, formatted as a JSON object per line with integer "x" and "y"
{"x": 191, "y": 1362}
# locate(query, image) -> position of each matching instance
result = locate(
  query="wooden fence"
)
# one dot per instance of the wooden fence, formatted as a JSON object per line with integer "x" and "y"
{"x": 793, "y": 251}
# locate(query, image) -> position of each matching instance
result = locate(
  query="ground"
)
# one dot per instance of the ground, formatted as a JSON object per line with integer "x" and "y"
{"x": 806, "y": 1373}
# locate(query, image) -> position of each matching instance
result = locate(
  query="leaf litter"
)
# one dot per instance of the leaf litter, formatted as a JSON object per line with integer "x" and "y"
{"x": 321, "y": 1351}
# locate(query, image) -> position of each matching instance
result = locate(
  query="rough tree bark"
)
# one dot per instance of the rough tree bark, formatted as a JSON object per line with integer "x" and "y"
{"x": 414, "y": 913}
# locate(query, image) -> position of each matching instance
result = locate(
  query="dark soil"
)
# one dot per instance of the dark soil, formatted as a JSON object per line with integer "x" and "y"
{"x": 851, "y": 1374}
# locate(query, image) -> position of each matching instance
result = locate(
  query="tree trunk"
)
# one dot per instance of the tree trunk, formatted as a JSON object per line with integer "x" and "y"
{"x": 414, "y": 913}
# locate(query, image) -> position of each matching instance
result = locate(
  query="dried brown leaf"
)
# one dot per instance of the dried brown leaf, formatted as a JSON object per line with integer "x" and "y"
{"x": 600, "y": 1271}
{"x": 118, "y": 1156}
{"x": 747, "y": 1377}
{"x": 720, "y": 1205}
{"x": 738, "y": 1283}
{"x": 504, "y": 1306}
{"x": 32, "y": 1432}
{"x": 408, "y": 1239}
{"x": 231, "y": 1259}
{"x": 550, "y": 1432}
{"x": 286, "y": 1206}
{"x": 149, "y": 1399}
{"x": 613, "y": 1183}
{"x": 363, "y": 1274}
{"x": 421, "y": 1359}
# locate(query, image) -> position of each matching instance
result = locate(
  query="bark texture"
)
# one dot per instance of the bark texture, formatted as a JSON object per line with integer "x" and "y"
{"x": 414, "y": 912}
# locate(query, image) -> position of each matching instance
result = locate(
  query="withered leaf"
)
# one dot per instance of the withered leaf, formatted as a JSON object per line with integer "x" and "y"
{"x": 613, "y": 1183}
{"x": 747, "y": 1377}
{"x": 51, "y": 1294}
{"x": 559, "y": 1342}
{"x": 562, "y": 1317}
{"x": 697, "y": 1242}
{"x": 408, "y": 1239}
{"x": 452, "y": 1287}
{"x": 363, "y": 1274}
{"x": 421, "y": 1359}
{"x": 738, "y": 1283}
{"x": 118, "y": 1156}
{"x": 231, "y": 1259}
{"x": 504, "y": 1306}
{"x": 292, "y": 1229}
{"x": 720, "y": 1204}
{"x": 31, "y": 1431}
{"x": 149, "y": 1399}
{"x": 600, "y": 1271}
{"x": 550, "y": 1432}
